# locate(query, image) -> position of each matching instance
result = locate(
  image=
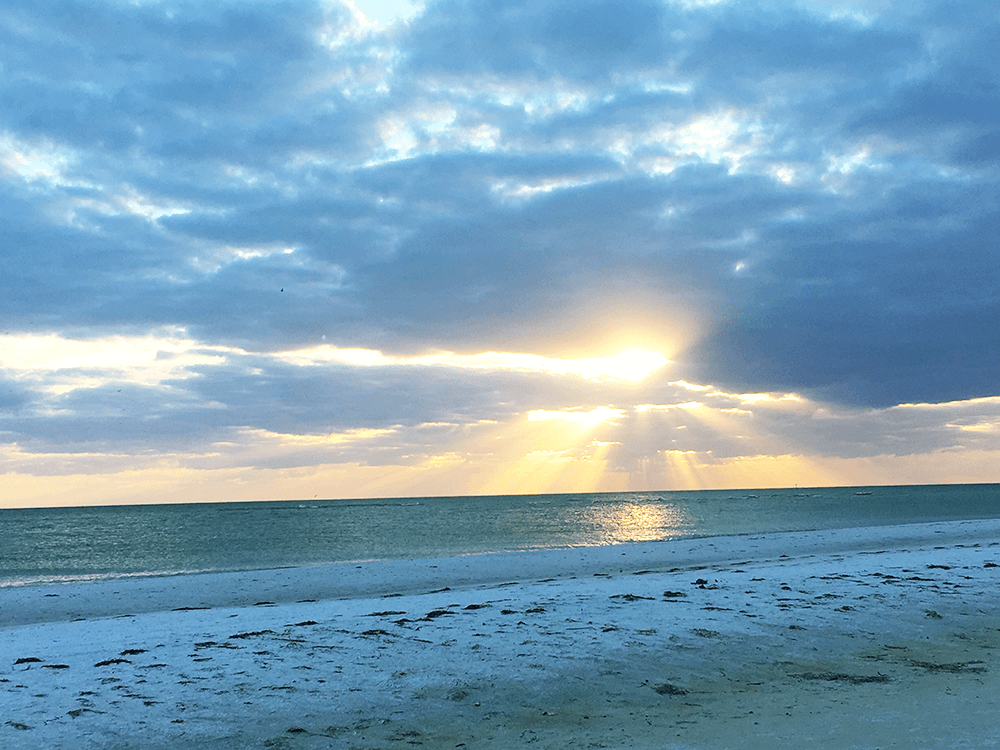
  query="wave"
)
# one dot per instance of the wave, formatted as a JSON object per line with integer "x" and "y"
{"x": 38, "y": 580}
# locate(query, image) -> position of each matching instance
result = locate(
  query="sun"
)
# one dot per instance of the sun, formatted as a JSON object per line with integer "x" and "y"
{"x": 634, "y": 365}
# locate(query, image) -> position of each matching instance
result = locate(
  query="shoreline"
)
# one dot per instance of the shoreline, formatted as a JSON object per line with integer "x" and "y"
{"x": 874, "y": 637}
{"x": 52, "y": 602}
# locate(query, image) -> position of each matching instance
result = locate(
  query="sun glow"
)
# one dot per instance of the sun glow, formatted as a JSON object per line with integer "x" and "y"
{"x": 552, "y": 450}
{"x": 590, "y": 418}
{"x": 333, "y": 438}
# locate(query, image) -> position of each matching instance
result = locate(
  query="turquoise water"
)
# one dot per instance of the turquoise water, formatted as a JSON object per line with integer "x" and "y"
{"x": 66, "y": 544}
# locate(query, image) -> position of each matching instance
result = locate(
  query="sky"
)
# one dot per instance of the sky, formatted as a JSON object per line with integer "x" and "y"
{"x": 274, "y": 250}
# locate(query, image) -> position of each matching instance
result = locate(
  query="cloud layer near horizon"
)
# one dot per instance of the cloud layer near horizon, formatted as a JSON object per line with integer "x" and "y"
{"x": 792, "y": 198}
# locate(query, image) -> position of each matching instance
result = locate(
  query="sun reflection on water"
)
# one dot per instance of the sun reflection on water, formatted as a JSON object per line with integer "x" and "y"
{"x": 638, "y": 522}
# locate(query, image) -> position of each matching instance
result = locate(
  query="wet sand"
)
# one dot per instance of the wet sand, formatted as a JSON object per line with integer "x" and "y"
{"x": 868, "y": 638}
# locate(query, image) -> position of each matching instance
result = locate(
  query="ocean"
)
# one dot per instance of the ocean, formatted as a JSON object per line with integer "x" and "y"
{"x": 45, "y": 545}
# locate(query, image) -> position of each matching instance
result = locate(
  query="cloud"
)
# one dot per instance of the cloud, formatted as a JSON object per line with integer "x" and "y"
{"x": 13, "y": 397}
{"x": 124, "y": 402}
{"x": 783, "y": 198}
{"x": 587, "y": 40}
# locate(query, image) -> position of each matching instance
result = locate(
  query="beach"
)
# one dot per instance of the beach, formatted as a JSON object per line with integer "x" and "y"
{"x": 849, "y": 638}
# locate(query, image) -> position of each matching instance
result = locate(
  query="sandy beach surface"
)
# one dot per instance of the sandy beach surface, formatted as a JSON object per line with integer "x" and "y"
{"x": 862, "y": 638}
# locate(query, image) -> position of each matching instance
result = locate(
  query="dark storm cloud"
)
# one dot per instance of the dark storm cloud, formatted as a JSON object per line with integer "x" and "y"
{"x": 894, "y": 303}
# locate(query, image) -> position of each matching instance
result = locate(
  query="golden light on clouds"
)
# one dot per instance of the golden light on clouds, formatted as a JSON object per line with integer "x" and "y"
{"x": 767, "y": 398}
{"x": 584, "y": 418}
{"x": 985, "y": 427}
{"x": 633, "y": 365}
{"x": 690, "y": 386}
{"x": 333, "y": 438}
{"x": 973, "y": 403}
{"x": 680, "y": 435}
{"x": 69, "y": 363}
{"x": 54, "y": 352}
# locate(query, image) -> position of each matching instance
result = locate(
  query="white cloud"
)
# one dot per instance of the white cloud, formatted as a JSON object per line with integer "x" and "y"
{"x": 384, "y": 13}
{"x": 59, "y": 364}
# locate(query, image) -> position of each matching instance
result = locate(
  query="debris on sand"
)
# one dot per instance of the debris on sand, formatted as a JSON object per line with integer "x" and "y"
{"x": 852, "y": 679}
{"x": 666, "y": 688}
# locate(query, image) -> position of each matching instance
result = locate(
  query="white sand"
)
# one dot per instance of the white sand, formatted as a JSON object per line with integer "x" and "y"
{"x": 866, "y": 638}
